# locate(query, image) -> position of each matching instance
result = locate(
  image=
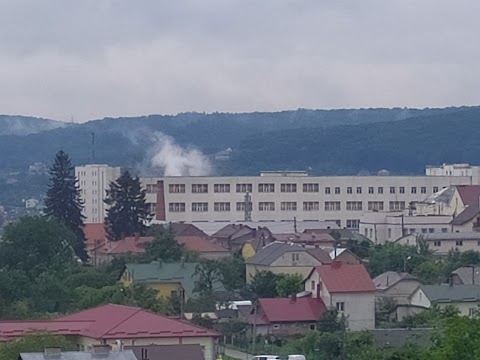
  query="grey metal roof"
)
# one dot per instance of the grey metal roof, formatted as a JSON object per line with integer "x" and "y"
{"x": 272, "y": 252}
{"x": 80, "y": 355}
{"x": 442, "y": 196}
{"x": 467, "y": 274}
{"x": 446, "y": 293}
{"x": 473, "y": 235}
{"x": 390, "y": 278}
{"x": 466, "y": 215}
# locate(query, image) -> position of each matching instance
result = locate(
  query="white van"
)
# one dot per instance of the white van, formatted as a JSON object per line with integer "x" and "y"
{"x": 266, "y": 357}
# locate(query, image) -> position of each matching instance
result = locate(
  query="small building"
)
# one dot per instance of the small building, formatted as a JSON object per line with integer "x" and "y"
{"x": 283, "y": 317}
{"x": 101, "y": 352}
{"x": 347, "y": 289}
{"x": 396, "y": 285}
{"x": 167, "y": 279}
{"x": 285, "y": 258}
{"x": 442, "y": 243}
{"x": 466, "y": 275}
{"x": 466, "y": 298}
{"x": 167, "y": 352}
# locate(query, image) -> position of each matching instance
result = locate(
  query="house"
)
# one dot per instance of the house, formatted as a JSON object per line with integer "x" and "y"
{"x": 466, "y": 298}
{"x": 466, "y": 275}
{"x": 442, "y": 243}
{"x": 168, "y": 279}
{"x": 281, "y": 317}
{"x": 234, "y": 236}
{"x": 167, "y": 352}
{"x": 343, "y": 255}
{"x": 116, "y": 325}
{"x": 285, "y": 258}
{"x": 98, "y": 352}
{"x": 182, "y": 229}
{"x": 396, "y": 285}
{"x": 95, "y": 239}
{"x": 205, "y": 248}
{"x": 346, "y": 288}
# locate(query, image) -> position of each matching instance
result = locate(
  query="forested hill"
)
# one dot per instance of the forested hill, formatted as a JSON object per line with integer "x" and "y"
{"x": 325, "y": 141}
{"x": 24, "y": 125}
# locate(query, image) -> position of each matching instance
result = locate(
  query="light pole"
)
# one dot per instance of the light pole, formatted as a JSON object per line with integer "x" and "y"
{"x": 405, "y": 263}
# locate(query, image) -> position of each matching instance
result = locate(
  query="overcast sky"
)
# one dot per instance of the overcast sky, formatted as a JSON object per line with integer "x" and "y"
{"x": 87, "y": 59}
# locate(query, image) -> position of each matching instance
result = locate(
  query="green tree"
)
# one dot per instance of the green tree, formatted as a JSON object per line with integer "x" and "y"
{"x": 232, "y": 272}
{"x": 209, "y": 277}
{"x": 289, "y": 284}
{"x": 128, "y": 211}
{"x": 63, "y": 200}
{"x": 36, "y": 243}
{"x": 33, "y": 343}
{"x": 264, "y": 285}
{"x": 163, "y": 247}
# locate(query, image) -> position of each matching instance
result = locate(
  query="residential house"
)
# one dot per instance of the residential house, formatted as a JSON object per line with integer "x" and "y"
{"x": 343, "y": 255}
{"x": 466, "y": 298}
{"x": 282, "y": 317}
{"x": 205, "y": 248}
{"x": 167, "y": 352}
{"x": 466, "y": 275}
{"x": 95, "y": 239}
{"x": 182, "y": 229}
{"x": 234, "y": 236}
{"x": 167, "y": 279}
{"x": 116, "y": 325}
{"x": 346, "y": 288}
{"x": 99, "y": 352}
{"x": 285, "y": 258}
{"x": 442, "y": 243}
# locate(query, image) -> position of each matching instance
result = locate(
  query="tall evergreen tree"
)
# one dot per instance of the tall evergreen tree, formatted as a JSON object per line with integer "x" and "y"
{"x": 63, "y": 200}
{"x": 128, "y": 210}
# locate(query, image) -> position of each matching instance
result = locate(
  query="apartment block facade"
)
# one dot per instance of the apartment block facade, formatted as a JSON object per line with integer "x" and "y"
{"x": 94, "y": 181}
{"x": 284, "y": 196}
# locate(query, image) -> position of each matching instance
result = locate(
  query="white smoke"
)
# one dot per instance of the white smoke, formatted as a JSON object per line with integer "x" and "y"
{"x": 175, "y": 160}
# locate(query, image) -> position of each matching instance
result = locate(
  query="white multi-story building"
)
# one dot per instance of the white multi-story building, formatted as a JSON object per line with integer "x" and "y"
{"x": 94, "y": 181}
{"x": 455, "y": 170}
{"x": 283, "y": 196}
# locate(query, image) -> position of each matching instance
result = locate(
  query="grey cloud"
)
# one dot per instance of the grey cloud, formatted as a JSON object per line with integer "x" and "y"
{"x": 91, "y": 58}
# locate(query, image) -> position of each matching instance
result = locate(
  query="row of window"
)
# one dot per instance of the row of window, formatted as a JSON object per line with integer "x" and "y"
{"x": 287, "y": 188}
{"x": 290, "y": 206}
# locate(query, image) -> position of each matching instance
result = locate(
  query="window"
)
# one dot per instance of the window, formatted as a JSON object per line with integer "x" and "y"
{"x": 359, "y": 190}
{"x": 424, "y": 231}
{"x": 337, "y": 190}
{"x": 295, "y": 257}
{"x": 401, "y": 190}
{"x": 392, "y": 189}
{"x": 435, "y": 189}
{"x": 370, "y": 190}
{"x": 176, "y": 188}
{"x": 288, "y": 206}
{"x": 312, "y": 285}
{"x": 199, "y": 188}
{"x": 354, "y": 205}
{"x": 444, "y": 230}
{"x": 312, "y": 327}
{"x": 241, "y": 206}
{"x": 288, "y": 188}
{"x": 380, "y": 190}
{"x": 472, "y": 312}
{"x": 221, "y": 206}
{"x": 411, "y": 230}
{"x": 199, "y": 207}
{"x": 349, "y": 190}
{"x": 353, "y": 224}
{"x": 375, "y": 205}
{"x": 459, "y": 243}
{"x": 340, "y": 306}
{"x": 311, "y": 206}
{"x": 276, "y": 326}
{"x": 176, "y": 207}
{"x": 431, "y": 230}
{"x": 244, "y": 188}
{"x": 153, "y": 207}
{"x": 423, "y": 190}
{"x": 371, "y": 233}
{"x": 221, "y": 188}
{"x": 332, "y": 206}
{"x": 151, "y": 188}
{"x": 266, "y": 188}
{"x": 437, "y": 243}
{"x": 396, "y": 205}
{"x": 413, "y": 190}
{"x": 309, "y": 188}
{"x": 327, "y": 190}
{"x": 389, "y": 233}
{"x": 266, "y": 206}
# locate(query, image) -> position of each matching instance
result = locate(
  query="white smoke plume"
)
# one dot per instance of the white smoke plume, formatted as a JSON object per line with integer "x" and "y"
{"x": 175, "y": 160}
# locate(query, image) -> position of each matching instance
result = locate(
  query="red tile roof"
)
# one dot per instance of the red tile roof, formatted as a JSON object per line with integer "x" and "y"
{"x": 338, "y": 277}
{"x": 289, "y": 310}
{"x": 109, "y": 322}
{"x": 470, "y": 194}
{"x": 200, "y": 244}
{"x": 131, "y": 244}
{"x": 94, "y": 235}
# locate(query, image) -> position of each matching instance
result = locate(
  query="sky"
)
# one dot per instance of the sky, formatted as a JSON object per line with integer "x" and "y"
{"x": 77, "y": 60}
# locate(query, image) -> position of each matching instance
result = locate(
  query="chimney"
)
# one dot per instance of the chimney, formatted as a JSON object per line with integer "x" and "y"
{"x": 52, "y": 352}
{"x": 101, "y": 349}
{"x": 293, "y": 299}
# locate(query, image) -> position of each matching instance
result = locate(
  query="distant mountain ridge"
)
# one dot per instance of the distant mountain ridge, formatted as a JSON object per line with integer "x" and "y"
{"x": 25, "y": 125}
{"x": 343, "y": 141}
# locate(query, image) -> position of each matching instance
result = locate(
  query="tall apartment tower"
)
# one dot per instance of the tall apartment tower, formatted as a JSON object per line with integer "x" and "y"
{"x": 94, "y": 181}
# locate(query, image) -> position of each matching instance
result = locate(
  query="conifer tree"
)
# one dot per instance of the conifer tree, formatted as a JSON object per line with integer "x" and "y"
{"x": 63, "y": 200}
{"x": 128, "y": 211}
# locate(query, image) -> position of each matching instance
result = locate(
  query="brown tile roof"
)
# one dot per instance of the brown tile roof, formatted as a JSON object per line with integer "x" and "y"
{"x": 95, "y": 235}
{"x": 470, "y": 194}
{"x": 200, "y": 244}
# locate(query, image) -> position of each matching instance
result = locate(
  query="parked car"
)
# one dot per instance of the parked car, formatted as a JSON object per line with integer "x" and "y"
{"x": 296, "y": 357}
{"x": 266, "y": 357}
